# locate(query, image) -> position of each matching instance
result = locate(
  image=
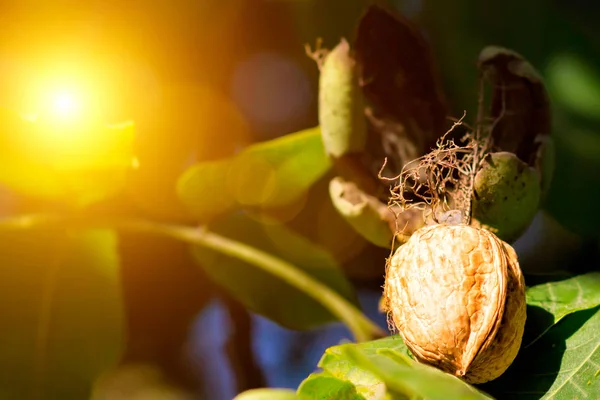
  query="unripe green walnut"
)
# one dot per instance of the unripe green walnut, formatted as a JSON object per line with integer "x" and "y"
{"x": 506, "y": 195}
{"x": 456, "y": 295}
{"x": 341, "y": 103}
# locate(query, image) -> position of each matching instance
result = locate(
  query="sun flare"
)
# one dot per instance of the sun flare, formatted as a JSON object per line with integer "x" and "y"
{"x": 64, "y": 104}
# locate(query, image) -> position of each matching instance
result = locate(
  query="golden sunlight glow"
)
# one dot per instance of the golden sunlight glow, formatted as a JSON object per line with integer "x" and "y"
{"x": 63, "y": 96}
{"x": 66, "y": 107}
{"x": 64, "y": 114}
{"x": 65, "y": 104}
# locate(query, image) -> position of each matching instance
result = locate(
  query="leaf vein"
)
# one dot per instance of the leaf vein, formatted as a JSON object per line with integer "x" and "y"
{"x": 568, "y": 379}
{"x": 570, "y": 349}
{"x": 579, "y": 389}
{"x": 594, "y": 363}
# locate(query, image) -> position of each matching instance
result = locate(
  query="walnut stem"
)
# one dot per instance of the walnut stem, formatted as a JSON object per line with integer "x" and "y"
{"x": 476, "y": 150}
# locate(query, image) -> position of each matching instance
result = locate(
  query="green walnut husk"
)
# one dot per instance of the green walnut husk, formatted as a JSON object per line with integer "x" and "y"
{"x": 341, "y": 103}
{"x": 507, "y": 194}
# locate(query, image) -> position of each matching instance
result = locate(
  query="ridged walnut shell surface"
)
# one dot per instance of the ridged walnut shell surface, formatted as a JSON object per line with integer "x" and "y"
{"x": 456, "y": 295}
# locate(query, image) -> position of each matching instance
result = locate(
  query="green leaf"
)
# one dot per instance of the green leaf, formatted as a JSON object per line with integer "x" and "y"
{"x": 563, "y": 298}
{"x": 333, "y": 360}
{"x": 78, "y": 164}
{"x": 266, "y": 175}
{"x": 264, "y": 293}
{"x": 575, "y": 84}
{"x": 298, "y": 160}
{"x": 367, "y": 384}
{"x": 203, "y": 189}
{"x": 409, "y": 378}
{"x": 563, "y": 364}
{"x": 267, "y": 394}
{"x": 577, "y": 153}
{"x": 384, "y": 366}
{"x": 61, "y": 315}
{"x": 327, "y": 387}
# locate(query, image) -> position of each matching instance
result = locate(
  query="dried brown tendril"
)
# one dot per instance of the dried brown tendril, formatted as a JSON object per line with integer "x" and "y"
{"x": 439, "y": 181}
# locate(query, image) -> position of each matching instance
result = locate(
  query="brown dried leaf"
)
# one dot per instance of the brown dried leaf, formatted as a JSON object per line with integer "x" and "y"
{"x": 520, "y": 106}
{"x": 399, "y": 76}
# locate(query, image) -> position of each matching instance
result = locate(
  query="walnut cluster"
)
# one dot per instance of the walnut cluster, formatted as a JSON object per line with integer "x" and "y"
{"x": 456, "y": 295}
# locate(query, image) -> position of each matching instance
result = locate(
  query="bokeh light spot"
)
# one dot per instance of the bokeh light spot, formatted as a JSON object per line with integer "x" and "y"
{"x": 271, "y": 90}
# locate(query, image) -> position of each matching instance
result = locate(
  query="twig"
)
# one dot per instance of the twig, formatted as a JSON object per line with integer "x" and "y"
{"x": 248, "y": 374}
{"x": 476, "y": 151}
{"x": 361, "y": 327}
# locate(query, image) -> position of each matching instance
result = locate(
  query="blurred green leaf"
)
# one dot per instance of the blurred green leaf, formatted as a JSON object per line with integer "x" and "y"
{"x": 61, "y": 314}
{"x": 203, "y": 189}
{"x": 267, "y": 394}
{"x": 263, "y": 292}
{"x": 564, "y": 297}
{"x": 563, "y": 365}
{"x": 574, "y": 85}
{"x": 267, "y": 174}
{"x": 577, "y": 166}
{"x": 79, "y": 164}
{"x": 382, "y": 369}
{"x": 327, "y": 387}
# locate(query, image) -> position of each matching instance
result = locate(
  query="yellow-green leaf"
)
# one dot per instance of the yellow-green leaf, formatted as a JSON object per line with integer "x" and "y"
{"x": 323, "y": 385}
{"x": 383, "y": 370}
{"x": 264, "y": 175}
{"x": 267, "y": 394}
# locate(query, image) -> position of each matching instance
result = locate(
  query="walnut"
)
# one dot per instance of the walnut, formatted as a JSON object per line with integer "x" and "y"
{"x": 456, "y": 295}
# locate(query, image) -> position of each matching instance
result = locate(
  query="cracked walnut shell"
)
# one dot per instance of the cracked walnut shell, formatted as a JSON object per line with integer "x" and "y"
{"x": 456, "y": 295}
